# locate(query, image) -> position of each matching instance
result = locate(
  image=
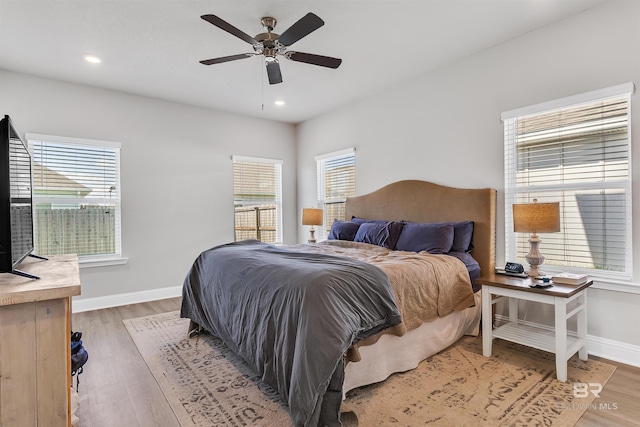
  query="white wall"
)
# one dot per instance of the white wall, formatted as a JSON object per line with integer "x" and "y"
{"x": 445, "y": 127}
{"x": 177, "y": 176}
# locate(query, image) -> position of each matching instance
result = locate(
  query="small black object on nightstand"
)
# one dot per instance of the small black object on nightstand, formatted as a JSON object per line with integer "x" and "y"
{"x": 546, "y": 283}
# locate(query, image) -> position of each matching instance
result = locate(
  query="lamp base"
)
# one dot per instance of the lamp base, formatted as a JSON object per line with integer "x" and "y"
{"x": 534, "y": 257}
{"x": 535, "y": 272}
{"x": 313, "y": 235}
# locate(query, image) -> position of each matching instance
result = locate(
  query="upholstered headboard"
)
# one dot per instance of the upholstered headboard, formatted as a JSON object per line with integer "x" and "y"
{"x": 422, "y": 201}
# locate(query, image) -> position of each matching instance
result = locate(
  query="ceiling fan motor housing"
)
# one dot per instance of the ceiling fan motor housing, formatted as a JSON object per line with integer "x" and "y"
{"x": 268, "y": 46}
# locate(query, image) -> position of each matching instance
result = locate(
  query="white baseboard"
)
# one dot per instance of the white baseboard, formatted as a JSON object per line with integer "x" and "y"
{"x": 606, "y": 348}
{"x": 88, "y": 304}
{"x": 617, "y": 351}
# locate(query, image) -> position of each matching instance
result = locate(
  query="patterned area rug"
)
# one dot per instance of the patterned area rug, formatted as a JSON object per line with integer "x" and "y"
{"x": 207, "y": 385}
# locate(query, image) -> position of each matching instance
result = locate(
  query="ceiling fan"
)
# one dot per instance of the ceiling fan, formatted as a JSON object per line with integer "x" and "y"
{"x": 271, "y": 44}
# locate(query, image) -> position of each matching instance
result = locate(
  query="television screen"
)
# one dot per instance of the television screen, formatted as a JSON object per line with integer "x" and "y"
{"x": 16, "y": 216}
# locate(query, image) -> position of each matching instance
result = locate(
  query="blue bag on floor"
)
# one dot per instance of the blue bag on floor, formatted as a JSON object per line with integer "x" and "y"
{"x": 79, "y": 356}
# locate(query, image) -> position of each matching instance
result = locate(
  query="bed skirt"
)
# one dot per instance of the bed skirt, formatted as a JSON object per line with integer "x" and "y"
{"x": 383, "y": 359}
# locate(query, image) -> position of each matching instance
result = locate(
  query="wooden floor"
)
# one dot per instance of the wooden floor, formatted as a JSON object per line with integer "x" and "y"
{"x": 117, "y": 388}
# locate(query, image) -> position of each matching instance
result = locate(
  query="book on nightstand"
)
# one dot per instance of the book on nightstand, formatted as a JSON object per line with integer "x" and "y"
{"x": 570, "y": 279}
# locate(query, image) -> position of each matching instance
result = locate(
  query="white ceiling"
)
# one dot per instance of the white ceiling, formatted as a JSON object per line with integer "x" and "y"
{"x": 152, "y": 47}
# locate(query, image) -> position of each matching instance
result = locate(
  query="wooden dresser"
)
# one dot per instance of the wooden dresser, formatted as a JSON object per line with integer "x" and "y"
{"x": 35, "y": 347}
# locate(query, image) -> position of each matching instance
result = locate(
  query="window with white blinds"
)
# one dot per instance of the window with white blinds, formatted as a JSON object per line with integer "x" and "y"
{"x": 76, "y": 192}
{"x": 336, "y": 180}
{"x": 257, "y": 199}
{"x": 575, "y": 151}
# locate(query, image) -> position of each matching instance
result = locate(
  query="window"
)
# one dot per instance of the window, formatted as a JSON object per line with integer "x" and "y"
{"x": 257, "y": 199}
{"x": 336, "y": 181}
{"x": 575, "y": 151}
{"x": 76, "y": 192}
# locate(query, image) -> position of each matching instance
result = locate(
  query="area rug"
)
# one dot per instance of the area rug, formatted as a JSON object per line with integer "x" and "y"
{"x": 207, "y": 385}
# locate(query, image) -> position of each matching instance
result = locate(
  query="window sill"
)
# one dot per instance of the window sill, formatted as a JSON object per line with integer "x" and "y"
{"x": 602, "y": 280}
{"x": 616, "y": 285}
{"x": 90, "y": 262}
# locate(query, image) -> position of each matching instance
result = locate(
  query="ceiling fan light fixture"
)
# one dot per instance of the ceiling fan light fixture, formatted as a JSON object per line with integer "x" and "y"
{"x": 279, "y": 103}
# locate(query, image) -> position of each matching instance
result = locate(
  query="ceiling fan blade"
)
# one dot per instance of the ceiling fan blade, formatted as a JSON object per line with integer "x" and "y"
{"x": 273, "y": 71}
{"x": 224, "y": 25}
{"x": 303, "y": 27}
{"x": 226, "y": 59}
{"x": 310, "y": 58}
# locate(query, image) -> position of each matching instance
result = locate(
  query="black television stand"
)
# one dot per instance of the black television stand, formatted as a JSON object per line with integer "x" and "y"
{"x": 23, "y": 274}
{"x": 27, "y": 275}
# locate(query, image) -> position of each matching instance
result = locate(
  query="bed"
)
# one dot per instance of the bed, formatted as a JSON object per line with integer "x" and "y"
{"x": 422, "y": 201}
{"x": 312, "y": 342}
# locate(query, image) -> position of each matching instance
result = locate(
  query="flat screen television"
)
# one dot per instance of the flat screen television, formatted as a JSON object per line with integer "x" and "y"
{"x": 16, "y": 217}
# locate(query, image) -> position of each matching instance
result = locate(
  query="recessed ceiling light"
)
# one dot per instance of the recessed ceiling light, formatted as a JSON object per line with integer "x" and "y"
{"x": 93, "y": 59}
{"x": 279, "y": 103}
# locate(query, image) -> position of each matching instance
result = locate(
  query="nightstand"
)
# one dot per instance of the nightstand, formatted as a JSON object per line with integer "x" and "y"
{"x": 496, "y": 287}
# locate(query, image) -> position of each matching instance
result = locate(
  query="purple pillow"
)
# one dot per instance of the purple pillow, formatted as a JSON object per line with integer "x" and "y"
{"x": 381, "y": 233}
{"x": 462, "y": 235}
{"x": 343, "y": 230}
{"x": 362, "y": 220}
{"x": 421, "y": 236}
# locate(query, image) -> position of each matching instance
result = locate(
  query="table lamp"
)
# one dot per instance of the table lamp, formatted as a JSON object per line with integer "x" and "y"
{"x": 536, "y": 218}
{"x": 312, "y": 216}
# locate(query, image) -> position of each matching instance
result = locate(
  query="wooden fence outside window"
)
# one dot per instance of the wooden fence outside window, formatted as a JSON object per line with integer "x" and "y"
{"x": 86, "y": 231}
{"x": 256, "y": 222}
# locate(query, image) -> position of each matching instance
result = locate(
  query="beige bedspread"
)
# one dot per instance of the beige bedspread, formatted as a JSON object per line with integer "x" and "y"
{"x": 426, "y": 286}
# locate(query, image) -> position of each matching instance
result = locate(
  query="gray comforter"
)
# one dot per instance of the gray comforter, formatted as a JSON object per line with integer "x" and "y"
{"x": 290, "y": 315}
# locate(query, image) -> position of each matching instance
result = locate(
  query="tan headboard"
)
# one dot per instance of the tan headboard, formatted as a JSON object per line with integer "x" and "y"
{"x": 422, "y": 201}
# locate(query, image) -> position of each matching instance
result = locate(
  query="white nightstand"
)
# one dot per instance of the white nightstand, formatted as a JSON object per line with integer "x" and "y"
{"x": 556, "y": 341}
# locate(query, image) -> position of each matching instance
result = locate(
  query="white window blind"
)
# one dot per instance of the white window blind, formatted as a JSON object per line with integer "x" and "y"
{"x": 579, "y": 155}
{"x": 336, "y": 180}
{"x": 76, "y": 192}
{"x": 257, "y": 199}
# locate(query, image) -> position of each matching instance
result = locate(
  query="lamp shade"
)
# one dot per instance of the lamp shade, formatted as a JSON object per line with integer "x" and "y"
{"x": 311, "y": 216}
{"x": 536, "y": 217}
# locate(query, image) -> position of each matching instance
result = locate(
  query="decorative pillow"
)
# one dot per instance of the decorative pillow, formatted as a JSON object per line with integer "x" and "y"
{"x": 421, "y": 236}
{"x": 462, "y": 236}
{"x": 343, "y": 230}
{"x": 381, "y": 233}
